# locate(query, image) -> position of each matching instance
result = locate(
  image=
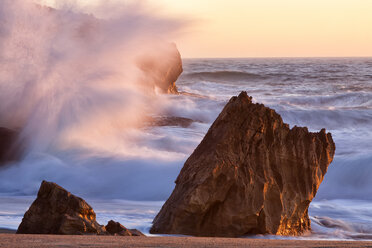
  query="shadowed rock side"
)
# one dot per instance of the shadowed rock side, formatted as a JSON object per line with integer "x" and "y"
{"x": 162, "y": 67}
{"x": 251, "y": 174}
{"x": 9, "y": 149}
{"x": 56, "y": 211}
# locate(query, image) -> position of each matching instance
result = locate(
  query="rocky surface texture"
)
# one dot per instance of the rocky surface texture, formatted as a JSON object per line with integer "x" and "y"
{"x": 9, "y": 151}
{"x": 56, "y": 211}
{"x": 251, "y": 174}
{"x": 162, "y": 68}
{"x": 117, "y": 229}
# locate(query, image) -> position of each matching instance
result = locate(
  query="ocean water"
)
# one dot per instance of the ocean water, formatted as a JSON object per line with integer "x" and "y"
{"x": 130, "y": 183}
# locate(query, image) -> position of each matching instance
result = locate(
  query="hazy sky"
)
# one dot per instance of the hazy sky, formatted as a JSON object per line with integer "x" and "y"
{"x": 272, "y": 28}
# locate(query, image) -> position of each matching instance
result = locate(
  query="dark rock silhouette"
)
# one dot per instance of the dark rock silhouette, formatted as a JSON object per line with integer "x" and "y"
{"x": 162, "y": 68}
{"x": 56, "y": 211}
{"x": 162, "y": 121}
{"x": 9, "y": 149}
{"x": 251, "y": 174}
{"x": 115, "y": 228}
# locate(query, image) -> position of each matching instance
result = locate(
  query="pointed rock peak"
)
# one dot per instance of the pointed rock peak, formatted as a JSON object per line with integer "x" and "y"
{"x": 243, "y": 97}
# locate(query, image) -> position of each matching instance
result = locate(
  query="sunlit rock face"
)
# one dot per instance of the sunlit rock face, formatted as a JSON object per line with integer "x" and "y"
{"x": 9, "y": 149}
{"x": 251, "y": 174}
{"x": 162, "y": 68}
{"x": 56, "y": 211}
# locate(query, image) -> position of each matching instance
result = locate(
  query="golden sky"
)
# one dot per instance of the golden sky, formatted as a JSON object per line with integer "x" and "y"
{"x": 273, "y": 28}
{"x": 276, "y": 28}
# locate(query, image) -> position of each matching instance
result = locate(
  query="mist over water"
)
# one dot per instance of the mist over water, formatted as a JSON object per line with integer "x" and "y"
{"x": 70, "y": 82}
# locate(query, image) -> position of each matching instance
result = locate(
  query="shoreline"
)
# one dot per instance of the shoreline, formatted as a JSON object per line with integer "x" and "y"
{"x": 35, "y": 240}
{"x": 7, "y": 231}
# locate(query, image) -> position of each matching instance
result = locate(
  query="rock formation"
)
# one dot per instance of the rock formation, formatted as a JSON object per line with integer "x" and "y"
{"x": 162, "y": 68}
{"x": 56, "y": 211}
{"x": 168, "y": 121}
{"x": 136, "y": 232}
{"x": 161, "y": 63}
{"x": 115, "y": 228}
{"x": 9, "y": 151}
{"x": 251, "y": 174}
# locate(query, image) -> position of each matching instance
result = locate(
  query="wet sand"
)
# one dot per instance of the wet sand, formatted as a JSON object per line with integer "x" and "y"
{"x": 5, "y": 230}
{"x": 13, "y": 240}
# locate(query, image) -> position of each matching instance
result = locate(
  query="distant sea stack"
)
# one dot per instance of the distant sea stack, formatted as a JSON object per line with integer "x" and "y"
{"x": 162, "y": 68}
{"x": 251, "y": 174}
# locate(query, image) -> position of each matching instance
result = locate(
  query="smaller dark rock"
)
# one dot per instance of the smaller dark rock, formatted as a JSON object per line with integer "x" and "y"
{"x": 115, "y": 228}
{"x": 136, "y": 232}
{"x": 57, "y": 211}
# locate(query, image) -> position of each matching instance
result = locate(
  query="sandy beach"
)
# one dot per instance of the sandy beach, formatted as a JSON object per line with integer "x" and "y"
{"x": 12, "y": 240}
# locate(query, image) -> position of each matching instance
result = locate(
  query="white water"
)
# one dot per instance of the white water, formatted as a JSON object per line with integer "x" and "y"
{"x": 80, "y": 102}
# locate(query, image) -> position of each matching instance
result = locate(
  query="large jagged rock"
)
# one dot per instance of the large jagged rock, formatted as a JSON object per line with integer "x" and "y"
{"x": 56, "y": 211}
{"x": 162, "y": 68}
{"x": 9, "y": 149}
{"x": 251, "y": 174}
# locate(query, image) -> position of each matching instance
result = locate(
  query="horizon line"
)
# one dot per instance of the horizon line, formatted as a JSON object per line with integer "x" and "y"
{"x": 285, "y": 57}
